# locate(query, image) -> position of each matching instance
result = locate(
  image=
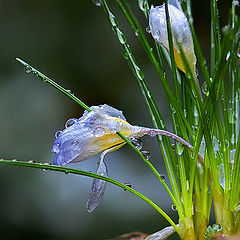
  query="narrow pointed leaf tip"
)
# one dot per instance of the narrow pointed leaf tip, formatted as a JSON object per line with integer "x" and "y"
{"x": 180, "y": 31}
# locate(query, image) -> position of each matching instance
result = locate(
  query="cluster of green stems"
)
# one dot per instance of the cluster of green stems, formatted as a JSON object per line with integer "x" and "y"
{"x": 206, "y": 114}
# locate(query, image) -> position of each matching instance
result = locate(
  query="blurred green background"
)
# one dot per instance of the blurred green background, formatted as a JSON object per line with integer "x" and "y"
{"x": 71, "y": 42}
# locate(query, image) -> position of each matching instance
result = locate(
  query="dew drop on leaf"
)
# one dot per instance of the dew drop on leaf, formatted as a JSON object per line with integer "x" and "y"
{"x": 27, "y": 69}
{"x": 173, "y": 207}
{"x": 146, "y": 154}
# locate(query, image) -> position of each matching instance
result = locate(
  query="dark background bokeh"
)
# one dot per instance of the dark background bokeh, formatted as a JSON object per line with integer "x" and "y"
{"x": 71, "y": 42}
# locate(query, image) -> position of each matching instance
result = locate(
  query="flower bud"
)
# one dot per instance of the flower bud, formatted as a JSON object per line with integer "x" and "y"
{"x": 181, "y": 32}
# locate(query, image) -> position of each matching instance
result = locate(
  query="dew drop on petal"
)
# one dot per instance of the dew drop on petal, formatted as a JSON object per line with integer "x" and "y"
{"x": 99, "y": 132}
{"x": 56, "y": 147}
{"x": 70, "y": 122}
{"x": 58, "y": 133}
{"x": 75, "y": 142}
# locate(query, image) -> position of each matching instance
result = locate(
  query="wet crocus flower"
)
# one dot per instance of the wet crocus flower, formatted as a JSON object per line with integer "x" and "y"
{"x": 96, "y": 132}
{"x": 180, "y": 31}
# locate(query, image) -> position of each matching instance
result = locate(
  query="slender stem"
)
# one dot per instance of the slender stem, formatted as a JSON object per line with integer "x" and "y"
{"x": 29, "y": 69}
{"x": 177, "y": 138}
{"x": 153, "y": 169}
{"x": 45, "y": 166}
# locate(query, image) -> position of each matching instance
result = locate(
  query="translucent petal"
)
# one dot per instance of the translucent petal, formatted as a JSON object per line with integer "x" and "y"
{"x": 98, "y": 188}
{"x": 93, "y": 133}
{"x": 180, "y": 30}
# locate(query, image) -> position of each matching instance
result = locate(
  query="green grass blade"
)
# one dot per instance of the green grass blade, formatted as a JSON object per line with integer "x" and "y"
{"x": 29, "y": 69}
{"x": 66, "y": 170}
{"x": 215, "y": 35}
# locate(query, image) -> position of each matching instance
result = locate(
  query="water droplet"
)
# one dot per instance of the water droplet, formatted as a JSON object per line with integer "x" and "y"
{"x": 97, "y": 3}
{"x": 70, "y": 91}
{"x": 47, "y": 163}
{"x": 58, "y": 133}
{"x": 14, "y": 160}
{"x": 173, "y": 207}
{"x": 138, "y": 72}
{"x": 125, "y": 55}
{"x": 31, "y": 161}
{"x": 66, "y": 172}
{"x": 75, "y": 142}
{"x": 121, "y": 36}
{"x": 70, "y": 122}
{"x": 143, "y": 4}
{"x": 99, "y": 132}
{"x": 226, "y": 143}
{"x": 137, "y": 32}
{"x": 27, "y": 69}
{"x": 146, "y": 154}
{"x": 128, "y": 185}
{"x": 228, "y": 55}
{"x": 238, "y": 52}
{"x": 232, "y": 156}
{"x": 137, "y": 142}
{"x": 148, "y": 30}
{"x": 217, "y": 227}
{"x": 112, "y": 19}
{"x": 204, "y": 88}
{"x": 232, "y": 117}
{"x": 179, "y": 148}
{"x": 236, "y": 3}
{"x": 56, "y": 147}
{"x": 221, "y": 175}
{"x": 162, "y": 177}
{"x": 179, "y": 40}
{"x": 37, "y": 74}
{"x": 173, "y": 111}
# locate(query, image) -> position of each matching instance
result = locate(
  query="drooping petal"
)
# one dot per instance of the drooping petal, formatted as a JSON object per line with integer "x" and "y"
{"x": 98, "y": 188}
